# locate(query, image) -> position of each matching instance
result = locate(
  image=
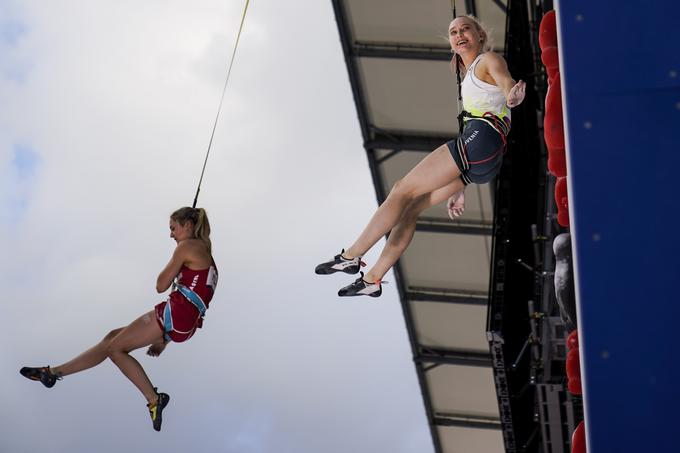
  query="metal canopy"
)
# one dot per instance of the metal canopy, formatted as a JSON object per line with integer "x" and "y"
{"x": 397, "y": 57}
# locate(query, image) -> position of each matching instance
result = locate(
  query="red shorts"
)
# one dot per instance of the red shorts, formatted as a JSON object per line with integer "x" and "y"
{"x": 184, "y": 318}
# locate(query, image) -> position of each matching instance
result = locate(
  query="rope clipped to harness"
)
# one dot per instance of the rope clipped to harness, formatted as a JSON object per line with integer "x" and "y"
{"x": 219, "y": 108}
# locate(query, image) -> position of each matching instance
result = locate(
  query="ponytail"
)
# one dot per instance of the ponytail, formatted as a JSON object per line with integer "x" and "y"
{"x": 199, "y": 218}
{"x": 202, "y": 228}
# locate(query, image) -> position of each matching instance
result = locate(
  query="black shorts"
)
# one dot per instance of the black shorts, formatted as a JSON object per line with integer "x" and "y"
{"x": 478, "y": 152}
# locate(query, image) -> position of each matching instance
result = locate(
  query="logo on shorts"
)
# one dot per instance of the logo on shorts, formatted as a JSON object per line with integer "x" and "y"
{"x": 471, "y": 137}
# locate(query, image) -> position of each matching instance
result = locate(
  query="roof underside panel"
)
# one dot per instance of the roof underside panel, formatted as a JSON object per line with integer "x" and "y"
{"x": 429, "y": 262}
{"x": 393, "y": 103}
{"x": 454, "y": 439}
{"x": 450, "y": 326}
{"x": 422, "y": 22}
{"x": 450, "y": 387}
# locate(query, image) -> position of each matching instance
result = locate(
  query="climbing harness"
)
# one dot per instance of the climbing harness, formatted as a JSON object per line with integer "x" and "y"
{"x": 190, "y": 296}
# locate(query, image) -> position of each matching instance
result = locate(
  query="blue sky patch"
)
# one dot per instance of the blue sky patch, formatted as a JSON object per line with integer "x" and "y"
{"x": 17, "y": 72}
{"x": 11, "y": 32}
{"x": 25, "y": 161}
{"x": 15, "y": 201}
{"x": 12, "y": 66}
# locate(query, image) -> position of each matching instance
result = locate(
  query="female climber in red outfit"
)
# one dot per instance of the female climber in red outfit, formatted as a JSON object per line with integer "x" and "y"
{"x": 194, "y": 273}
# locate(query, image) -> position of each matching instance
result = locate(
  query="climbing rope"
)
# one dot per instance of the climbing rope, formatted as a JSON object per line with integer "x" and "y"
{"x": 461, "y": 113}
{"x": 219, "y": 108}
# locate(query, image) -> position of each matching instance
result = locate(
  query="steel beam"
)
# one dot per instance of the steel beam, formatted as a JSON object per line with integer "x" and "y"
{"x": 453, "y": 357}
{"x": 471, "y": 7}
{"x": 438, "y": 225}
{"x": 401, "y": 51}
{"x": 446, "y": 295}
{"x": 503, "y": 6}
{"x": 405, "y": 141}
{"x": 467, "y": 421}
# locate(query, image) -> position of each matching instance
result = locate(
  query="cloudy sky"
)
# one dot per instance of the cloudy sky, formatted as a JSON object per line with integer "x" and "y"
{"x": 106, "y": 109}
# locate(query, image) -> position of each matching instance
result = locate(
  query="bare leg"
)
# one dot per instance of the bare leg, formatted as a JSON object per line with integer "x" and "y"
{"x": 143, "y": 331}
{"x": 437, "y": 170}
{"x": 402, "y": 234}
{"x": 88, "y": 359}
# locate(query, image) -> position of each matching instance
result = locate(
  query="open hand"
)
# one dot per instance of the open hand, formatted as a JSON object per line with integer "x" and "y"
{"x": 516, "y": 94}
{"x": 456, "y": 204}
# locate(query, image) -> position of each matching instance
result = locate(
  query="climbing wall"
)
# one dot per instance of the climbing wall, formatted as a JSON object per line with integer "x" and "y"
{"x": 620, "y": 83}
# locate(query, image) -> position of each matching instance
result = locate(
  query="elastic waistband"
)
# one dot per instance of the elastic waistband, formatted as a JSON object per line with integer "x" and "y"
{"x": 501, "y": 125}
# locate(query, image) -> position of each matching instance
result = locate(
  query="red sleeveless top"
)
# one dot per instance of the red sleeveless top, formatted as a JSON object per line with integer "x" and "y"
{"x": 202, "y": 282}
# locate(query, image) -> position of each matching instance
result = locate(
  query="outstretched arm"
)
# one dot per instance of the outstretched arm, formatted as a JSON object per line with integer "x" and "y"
{"x": 498, "y": 70}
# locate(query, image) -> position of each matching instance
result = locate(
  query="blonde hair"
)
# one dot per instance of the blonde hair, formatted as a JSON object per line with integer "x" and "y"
{"x": 199, "y": 218}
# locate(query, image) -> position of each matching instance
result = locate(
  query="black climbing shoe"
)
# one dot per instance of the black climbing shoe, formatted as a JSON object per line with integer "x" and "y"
{"x": 361, "y": 287}
{"x": 156, "y": 411}
{"x": 42, "y": 374}
{"x": 340, "y": 264}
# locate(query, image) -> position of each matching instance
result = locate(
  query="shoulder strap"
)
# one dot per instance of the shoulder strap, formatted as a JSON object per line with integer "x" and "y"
{"x": 194, "y": 298}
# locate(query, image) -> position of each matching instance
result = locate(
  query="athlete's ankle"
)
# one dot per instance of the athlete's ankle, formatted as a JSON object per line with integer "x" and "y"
{"x": 371, "y": 278}
{"x": 152, "y": 400}
{"x": 348, "y": 255}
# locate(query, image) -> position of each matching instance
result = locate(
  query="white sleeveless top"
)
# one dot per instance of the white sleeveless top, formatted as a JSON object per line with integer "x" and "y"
{"x": 480, "y": 97}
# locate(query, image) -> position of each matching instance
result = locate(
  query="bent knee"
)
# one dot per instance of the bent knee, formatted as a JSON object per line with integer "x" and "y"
{"x": 111, "y": 351}
{"x": 114, "y": 348}
{"x": 403, "y": 189}
{"x": 109, "y": 339}
{"x": 399, "y": 187}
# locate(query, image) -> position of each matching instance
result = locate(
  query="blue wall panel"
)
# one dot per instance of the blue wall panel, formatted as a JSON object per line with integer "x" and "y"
{"x": 620, "y": 68}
